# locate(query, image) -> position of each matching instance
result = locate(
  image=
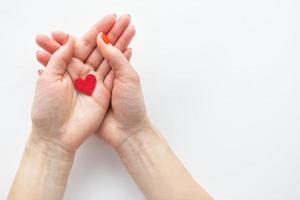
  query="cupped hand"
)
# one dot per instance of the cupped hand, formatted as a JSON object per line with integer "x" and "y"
{"x": 61, "y": 114}
{"x": 89, "y": 111}
{"x": 127, "y": 114}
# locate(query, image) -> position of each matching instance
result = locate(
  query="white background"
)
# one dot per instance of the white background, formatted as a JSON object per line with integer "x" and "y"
{"x": 221, "y": 82}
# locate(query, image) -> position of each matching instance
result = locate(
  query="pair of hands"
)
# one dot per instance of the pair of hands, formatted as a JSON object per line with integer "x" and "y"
{"x": 65, "y": 117}
{"x": 62, "y": 117}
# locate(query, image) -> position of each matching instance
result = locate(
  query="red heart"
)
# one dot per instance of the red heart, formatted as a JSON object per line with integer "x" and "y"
{"x": 86, "y": 85}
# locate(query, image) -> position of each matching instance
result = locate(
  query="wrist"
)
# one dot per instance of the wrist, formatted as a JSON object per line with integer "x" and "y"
{"x": 145, "y": 139}
{"x": 43, "y": 172}
{"x": 47, "y": 148}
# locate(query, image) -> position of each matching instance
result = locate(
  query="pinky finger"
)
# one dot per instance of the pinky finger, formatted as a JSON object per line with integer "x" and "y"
{"x": 43, "y": 57}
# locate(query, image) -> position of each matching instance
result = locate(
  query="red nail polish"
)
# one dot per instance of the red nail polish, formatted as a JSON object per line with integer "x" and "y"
{"x": 105, "y": 38}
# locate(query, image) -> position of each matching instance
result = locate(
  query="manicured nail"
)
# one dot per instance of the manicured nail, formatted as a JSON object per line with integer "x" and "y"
{"x": 105, "y": 38}
{"x": 67, "y": 39}
{"x": 40, "y": 71}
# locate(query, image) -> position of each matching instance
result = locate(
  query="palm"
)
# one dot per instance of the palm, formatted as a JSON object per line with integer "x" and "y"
{"x": 127, "y": 110}
{"x": 87, "y": 112}
{"x": 73, "y": 115}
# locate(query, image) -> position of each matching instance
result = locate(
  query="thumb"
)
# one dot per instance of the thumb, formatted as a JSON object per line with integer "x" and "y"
{"x": 118, "y": 62}
{"x": 60, "y": 59}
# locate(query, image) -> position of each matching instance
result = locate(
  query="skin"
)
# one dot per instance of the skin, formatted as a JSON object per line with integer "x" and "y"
{"x": 63, "y": 119}
{"x": 59, "y": 111}
{"x": 76, "y": 106}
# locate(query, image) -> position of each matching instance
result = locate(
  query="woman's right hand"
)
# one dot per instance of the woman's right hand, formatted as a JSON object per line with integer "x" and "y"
{"x": 127, "y": 114}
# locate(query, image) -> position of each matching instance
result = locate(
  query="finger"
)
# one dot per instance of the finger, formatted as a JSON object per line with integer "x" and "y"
{"x": 116, "y": 31}
{"x": 125, "y": 39}
{"x": 76, "y": 67}
{"x": 43, "y": 57}
{"x": 61, "y": 58}
{"x": 60, "y": 37}
{"x": 87, "y": 43}
{"x": 47, "y": 43}
{"x": 105, "y": 68}
{"x": 121, "y": 24}
{"x": 121, "y": 44}
{"x": 115, "y": 57}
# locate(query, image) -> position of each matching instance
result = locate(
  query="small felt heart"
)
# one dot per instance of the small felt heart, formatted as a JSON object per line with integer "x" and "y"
{"x": 86, "y": 85}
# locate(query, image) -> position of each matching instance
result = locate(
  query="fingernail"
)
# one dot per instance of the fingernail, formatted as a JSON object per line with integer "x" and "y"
{"x": 67, "y": 39}
{"x": 114, "y": 14}
{"x": 40, "y": 71}
{"x": 38, "y": 37}
{"x": 105, "y": 38}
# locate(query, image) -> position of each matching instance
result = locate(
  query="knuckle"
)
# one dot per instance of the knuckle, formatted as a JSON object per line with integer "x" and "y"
{"x": 41, "y": 80}
{"x": 86, "y": 43}
{"x": 113, "y": 54}
{"x": 134, "y": 77}
{"x": 98, "y": 26}
{"x": 115, "y": 51}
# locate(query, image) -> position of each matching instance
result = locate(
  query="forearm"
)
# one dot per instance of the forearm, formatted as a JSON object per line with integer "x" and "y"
{"x": 43, "y": 171}
{"x": 156, "y": 169}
